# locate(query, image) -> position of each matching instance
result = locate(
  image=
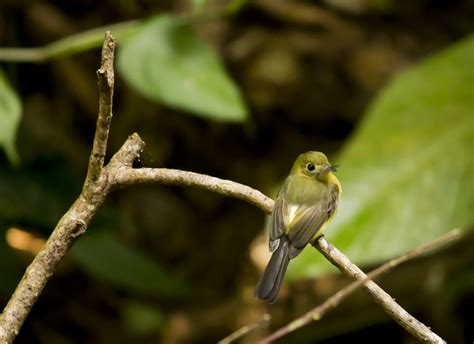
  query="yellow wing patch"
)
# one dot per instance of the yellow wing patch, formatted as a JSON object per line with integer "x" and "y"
{"x": 292, "y": 209}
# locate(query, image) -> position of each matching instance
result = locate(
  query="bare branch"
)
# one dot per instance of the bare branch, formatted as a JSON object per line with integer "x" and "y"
{"x": 105, "y": 77}
{"x": 391, "y": 307}
{"x": 119, "y": 172}
{"x": 71, "y": 225}
{"x": 76, "y": 219}
{"x": 128, "y": 176}
{"x": 318, "y": 312}
{"x": 263, "y": 321}
{"x": 127, "y": 154}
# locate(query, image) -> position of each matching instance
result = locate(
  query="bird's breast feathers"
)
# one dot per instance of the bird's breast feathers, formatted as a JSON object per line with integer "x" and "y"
{"x": 317, "y": 197}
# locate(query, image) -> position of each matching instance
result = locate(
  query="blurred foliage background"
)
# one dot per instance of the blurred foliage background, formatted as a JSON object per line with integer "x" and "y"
{"x": 237, "y": 89}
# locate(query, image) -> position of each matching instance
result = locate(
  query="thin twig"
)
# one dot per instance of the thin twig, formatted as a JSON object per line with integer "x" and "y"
{"x": 105, "y": 77}
{"x": 263, "y": 321}
{"x": 318, "y": 312}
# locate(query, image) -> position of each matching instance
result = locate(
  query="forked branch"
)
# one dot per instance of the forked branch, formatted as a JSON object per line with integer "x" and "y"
{"x": 119, "y": 172}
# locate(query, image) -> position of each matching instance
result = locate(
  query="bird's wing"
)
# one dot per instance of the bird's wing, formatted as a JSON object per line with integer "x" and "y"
{"x": 277, "y": 228}
{"x": 308, "y": 220}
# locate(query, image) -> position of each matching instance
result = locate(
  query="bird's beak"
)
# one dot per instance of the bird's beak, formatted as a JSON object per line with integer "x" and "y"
{"x": 331, "y": 168}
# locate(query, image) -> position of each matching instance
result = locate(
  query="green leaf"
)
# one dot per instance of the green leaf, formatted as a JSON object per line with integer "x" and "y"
{"x": 103, "y": 256}
{"x": 407, "y": 172}
{"x": 10, "y": 113}
{"x": 166, "y": 61}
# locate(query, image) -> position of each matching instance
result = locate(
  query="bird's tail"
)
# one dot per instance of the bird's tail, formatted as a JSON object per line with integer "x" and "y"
{"x": 269, "y": 285}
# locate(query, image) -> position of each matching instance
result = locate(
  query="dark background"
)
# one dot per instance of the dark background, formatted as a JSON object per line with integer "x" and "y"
{"x": 307, "y": 82}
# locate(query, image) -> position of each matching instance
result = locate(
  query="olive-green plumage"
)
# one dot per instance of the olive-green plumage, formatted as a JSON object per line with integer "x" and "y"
{"x": 305, "y": 204}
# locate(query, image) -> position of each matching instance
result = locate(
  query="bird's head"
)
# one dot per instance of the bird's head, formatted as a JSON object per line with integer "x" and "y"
{"x": 313, "y": 164}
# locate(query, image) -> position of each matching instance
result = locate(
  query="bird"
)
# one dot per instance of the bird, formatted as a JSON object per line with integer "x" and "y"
{"x": 305, "y": 204}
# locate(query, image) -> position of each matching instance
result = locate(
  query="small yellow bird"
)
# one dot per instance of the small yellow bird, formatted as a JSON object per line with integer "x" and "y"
{"x": 305, "y": 204}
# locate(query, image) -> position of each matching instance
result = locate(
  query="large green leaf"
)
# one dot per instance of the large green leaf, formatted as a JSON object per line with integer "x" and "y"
{"x": 106, "y": 258}
{"x": 168, "y": 62}
{"x": 407, "y": 172}
{"x": 10, "y": 112}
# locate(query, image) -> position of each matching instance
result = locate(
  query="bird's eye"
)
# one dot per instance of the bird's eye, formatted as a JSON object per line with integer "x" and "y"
{"x": 310, "y": 167}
